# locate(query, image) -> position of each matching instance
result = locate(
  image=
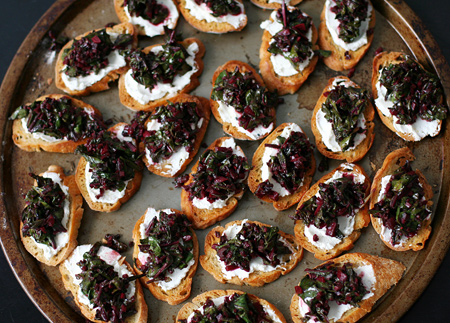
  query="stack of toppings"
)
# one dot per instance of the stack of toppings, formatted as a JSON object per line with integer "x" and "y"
{"x": 151, "y": 10}
{"x": 44, "y": 211}
{"x": 179, "y": 127}
{"x": 221, "y": 8}
{"x": 328, "y": 283}
{"x": 342, "y": 109}
{"x": 254, "y": 104}
{"x": 403, "y": 207}
{"x": 350, "y": 14}
{"x": 252, "y": 241}
{"x": 340, "y": 197}
{"x": 60, "y": 119}
{"x": 414, "y": 91}
{"x": 89, "y": 54}
{"x": 289, "y": 166}
{"x": 168, "y": 245}
{"x": 112, "y": 162}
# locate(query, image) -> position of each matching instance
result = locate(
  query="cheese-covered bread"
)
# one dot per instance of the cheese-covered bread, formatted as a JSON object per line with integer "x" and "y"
{"x": 274, "y": 4}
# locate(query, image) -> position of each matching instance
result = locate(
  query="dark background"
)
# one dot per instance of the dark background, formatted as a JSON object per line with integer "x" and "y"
{"x": 17, "y": 17}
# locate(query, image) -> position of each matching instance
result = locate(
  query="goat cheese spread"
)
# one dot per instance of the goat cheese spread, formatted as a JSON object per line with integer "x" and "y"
{"x": 202, "y": 12}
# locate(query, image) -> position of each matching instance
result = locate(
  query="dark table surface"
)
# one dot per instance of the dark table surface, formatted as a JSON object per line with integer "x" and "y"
{"x": 17, "y": 17}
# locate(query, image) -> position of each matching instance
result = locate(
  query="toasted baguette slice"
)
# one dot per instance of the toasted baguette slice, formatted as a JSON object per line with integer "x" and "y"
{"x": 211, "y": 263}
{"x": 127, "y": 100}
{"x": 164, "y": 168}
{"x": 267, "y": 4}
{"x": 254, "y": 177}
{"x": 350, "y": 155}
{"x": 200, "y": 300}
{"x": 387, "y": 274}
{"x": 141, "y": 315}
{"x": 362, "y": 218}
{"x": 203, "y": 218}
{"x": 181, "y": 292}
{"x": 379, "y": 62}
{"x": 393, "y": 161}
{"x": 73, "y": 223}
{"x": 337, "y": 60}
{"x": 213, "y": 26}
{"x": 284, "y": 84}
{"x": 102, "y": 85}
{"x": 170, "y": 21}
{"x": 132, "y": 186}
{"x": 24, "y": 140}
{"x": 229, "y": 128}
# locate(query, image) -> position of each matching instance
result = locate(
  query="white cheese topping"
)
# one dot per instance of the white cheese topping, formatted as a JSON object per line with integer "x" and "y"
{"x": 79, "y": 83}
{"x": 61, "y": 238}
{"x": 144, "y": 95}
{"x": 346, "y": 223}
{"x": 418, "y": 130}
{"x": 230, "y": 115}
{"x": 108, "y": 255}
{"x": 202, "y": 12}
{"x": 217, "y": 204}
{"x": 150, "y": 29}
{"x": 333, "y": 27}
{"x": 266, "y": 174}
{"x": 281, "y": 65}
{"x": 178, "y": 275}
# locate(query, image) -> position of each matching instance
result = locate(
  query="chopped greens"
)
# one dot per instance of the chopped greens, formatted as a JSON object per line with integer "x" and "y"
{"x": 350, "y": 14}
{"x": 151, "y": 10}
{"x": 221, "y": 8}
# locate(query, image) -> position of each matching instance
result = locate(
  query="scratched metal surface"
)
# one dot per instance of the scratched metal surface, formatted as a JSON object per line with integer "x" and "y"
{"x": 159, "y": 192}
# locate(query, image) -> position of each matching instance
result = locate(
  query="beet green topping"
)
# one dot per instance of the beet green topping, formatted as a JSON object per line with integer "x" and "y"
{"x": 60, "y": 119}
{"x": 251, "y": 242}
{"x": 254, "y": 103}
{"x": 162, "y": 66}
{"x": 404, "y": 206}
{"x": 328, "y": 283}
{"x": 340, "y": 197}
{"x": 221, "y": 8}
{"x": 104, "y": 288}
{"x": 179, "y": 127}
{"x": 292, "y": 41}
{"x": 289, "y": 166}
{"x": 150, "y": 10}
{"x": 89, "y": 54}
{"x": 44, "y": 211}
{"x": 220, "y": 174}
{"x": 235, "y": 308}
{"x": 168, "y": 245}
{"x": 113, "y": 162}
{"x": 414, "y": 91}
{"x": 343, "y": 107}
{"x": 350, "y": 14}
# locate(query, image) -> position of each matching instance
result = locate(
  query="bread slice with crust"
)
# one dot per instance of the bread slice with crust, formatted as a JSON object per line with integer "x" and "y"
{"x": 391, "y": 163}
{"x": 210, "y": 27}
{"x": 284, "y": 84}
{"x": 24, "y": 140}
{"x": 73, "y": 223}
{"x": 362, "y": 218}
{"x": 119, "y": 6}
{"x": 255, "y": 175}
{"x": 132, "y": 186}
{"x": 127, "y": 100}
{"x": 141, "y": 315}
{"x": 163, "y": 168}
{"x": 387, "y": 273}
{"x": 103, "y": 84}
{"x": 229, "y": 128}
{"x": 203, "y": 218}
{"x": 380, "y": 61}
{"x": 338, "y": 59}
{"x": 200, "y": 300}
{"x": 211, "y": 263}
{"x": 181, "y": 292}
{"x": 350, "y": 155}
{"x": 267, "y": 4}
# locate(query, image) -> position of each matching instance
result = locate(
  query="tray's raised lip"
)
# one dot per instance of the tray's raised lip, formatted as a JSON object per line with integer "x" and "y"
{"x": 53, "y": 307}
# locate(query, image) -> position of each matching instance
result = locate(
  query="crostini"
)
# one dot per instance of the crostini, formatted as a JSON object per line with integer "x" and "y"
{"x": 274, "y": 4}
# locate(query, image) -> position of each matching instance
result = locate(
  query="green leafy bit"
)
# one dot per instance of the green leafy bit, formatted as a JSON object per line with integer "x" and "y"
{"x": 350, "y": 14}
